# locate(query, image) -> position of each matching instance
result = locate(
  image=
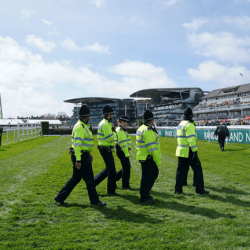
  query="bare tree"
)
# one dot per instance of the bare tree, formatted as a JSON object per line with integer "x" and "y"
{"x": 61, "y": 115}
{"x": 49, "y": 116}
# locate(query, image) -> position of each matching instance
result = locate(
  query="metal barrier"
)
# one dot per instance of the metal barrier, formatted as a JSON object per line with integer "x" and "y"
{"x": 237, "y": 134}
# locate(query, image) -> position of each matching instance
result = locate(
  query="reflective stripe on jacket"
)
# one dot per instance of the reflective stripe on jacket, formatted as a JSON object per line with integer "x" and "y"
{"x": 105, "y": 135}
{"x": 186, "y": 138}
{"x": 123, "y": 140}
{"x": 147, "y": 143}
{"x": 82, "y": 139}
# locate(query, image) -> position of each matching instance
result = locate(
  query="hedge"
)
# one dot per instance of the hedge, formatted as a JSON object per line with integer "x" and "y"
{"x": 68, "y": 131}
{"x": 45, "y": 127}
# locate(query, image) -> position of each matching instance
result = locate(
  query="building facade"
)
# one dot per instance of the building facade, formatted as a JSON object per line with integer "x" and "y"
{"x": 168, "y": 104}
{"x": 224, "y": 104}
{"x": 120, "y": 106}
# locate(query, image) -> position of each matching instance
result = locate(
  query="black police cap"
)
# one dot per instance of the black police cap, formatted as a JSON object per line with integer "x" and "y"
{"x": 148, "y": 115}
{"x": 188, "y": 113}
{"x": 84, "y": 111}
{"x": 124, "y": 118}
{"x": 107, "y": 110}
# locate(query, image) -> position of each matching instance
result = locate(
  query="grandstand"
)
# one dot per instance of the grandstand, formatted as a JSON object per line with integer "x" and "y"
{"x": 168, "y": 104}
{"x": 120, "y": 106}
{"x": 232, "y": 103}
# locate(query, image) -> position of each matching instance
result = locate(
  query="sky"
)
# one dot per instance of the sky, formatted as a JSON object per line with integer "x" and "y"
{"x": 54, "y": 50}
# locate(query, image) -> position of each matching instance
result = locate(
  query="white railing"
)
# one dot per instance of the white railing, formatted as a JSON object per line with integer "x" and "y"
{"x": 22, "y": 132}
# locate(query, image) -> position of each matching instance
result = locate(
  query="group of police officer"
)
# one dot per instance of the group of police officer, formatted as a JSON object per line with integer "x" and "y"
{"x": 147, "y": 152}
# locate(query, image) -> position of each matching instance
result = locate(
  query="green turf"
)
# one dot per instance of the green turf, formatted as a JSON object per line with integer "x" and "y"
{"x": 33, "y": 171}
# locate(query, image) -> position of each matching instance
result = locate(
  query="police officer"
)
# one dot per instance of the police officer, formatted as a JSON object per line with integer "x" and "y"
{"x": 149, "y": 155}
{"x": 122, "y": 150}
{"x": 222, "y": 132}
{"x": 82, "y": 146}
{"x": 187, "y": 154}
{"x": 106, "y": 137}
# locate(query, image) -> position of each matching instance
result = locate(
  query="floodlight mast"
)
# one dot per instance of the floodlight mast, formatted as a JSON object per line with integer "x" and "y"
{"x": 1, "y": 112}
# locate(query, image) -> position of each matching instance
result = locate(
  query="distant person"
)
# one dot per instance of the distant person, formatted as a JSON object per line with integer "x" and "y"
{"x": 222, "y": 132}
{"x": 187, "y": 154}
{"x": 149, "y": 155}
{"x": 106, "y": 137}
{"x": 122, "y": 151}
{"x": 82, "y": 146}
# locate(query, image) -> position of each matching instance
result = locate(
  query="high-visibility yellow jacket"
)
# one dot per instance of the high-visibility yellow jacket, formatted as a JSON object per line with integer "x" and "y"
{"x": 123, "y": 140}
{"x": 186, "y": 138}
{"x": 82, "y": 139}
{"x": 105, "y": 135}
{"x": 147, "y": 143}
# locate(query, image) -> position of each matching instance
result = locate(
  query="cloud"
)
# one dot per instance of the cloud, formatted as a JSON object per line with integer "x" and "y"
{"x": 34, "y": 83}
{"x": 46, "y": 22}
{"x": 26, "y": 13}
{"x": 211, "y": 71}
{"x": 96, "y": 47}
{"x": 171, "y": 3}
{"x": 97, "y": 3}
{"x": 38, "y": 42}
{"x": 138, "y": 21}
{"x": 69, "y": 44}
{"x": 142, "y": 75}
{"x": 67, "y": 1}
{"x": 242, "y": 22}
{"x": 222, "y": 45}
{"x": 241, "y": 1}
{"x": 27, "y": 102}
{"x": 196, "y": 23}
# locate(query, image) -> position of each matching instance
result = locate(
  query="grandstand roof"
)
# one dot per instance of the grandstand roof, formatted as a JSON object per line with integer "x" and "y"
{"x": 244, "y": 88}
{"x": 155, "y": 94}
{"x": 92, "y": 99}
{"x": 168, "y": 92}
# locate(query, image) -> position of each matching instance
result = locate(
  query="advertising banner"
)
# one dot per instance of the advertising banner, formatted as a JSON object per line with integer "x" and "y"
{"x": 237, "y": 134}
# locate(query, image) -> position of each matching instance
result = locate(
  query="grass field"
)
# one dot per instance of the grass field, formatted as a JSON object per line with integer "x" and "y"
{"x": 33, "y": 171}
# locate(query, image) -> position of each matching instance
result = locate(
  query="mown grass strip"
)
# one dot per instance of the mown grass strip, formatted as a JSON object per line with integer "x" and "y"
{"x": 217, "y": 221}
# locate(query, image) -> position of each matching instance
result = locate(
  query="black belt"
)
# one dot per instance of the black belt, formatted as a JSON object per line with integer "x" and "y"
{"x": 108, "y": 148}
{"x": 148, "y": 157}
{"x": 85, "y": 152}
{"x": 72, "y": 151}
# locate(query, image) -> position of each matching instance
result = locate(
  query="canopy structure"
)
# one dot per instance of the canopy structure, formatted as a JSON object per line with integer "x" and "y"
{"x": 51, "y": 122}
{"x": 10, "y": 122}
{"x": 247, "y": 118}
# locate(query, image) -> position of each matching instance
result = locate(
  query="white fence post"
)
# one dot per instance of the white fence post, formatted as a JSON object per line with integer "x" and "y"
{"x": 18, "y": 132}
{"x": 22, "y": 131}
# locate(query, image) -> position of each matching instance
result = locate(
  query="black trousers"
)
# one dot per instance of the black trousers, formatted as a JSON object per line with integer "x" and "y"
{"x": 123, "y": 173}
{"x": 85, "y": 173}
{"x": 184, "y": 183}
{"x": 221, "y": 140}
{"x": 150, "y": 173}
{"x": 109, "y": 171}
{"x": 182, "y": 169}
